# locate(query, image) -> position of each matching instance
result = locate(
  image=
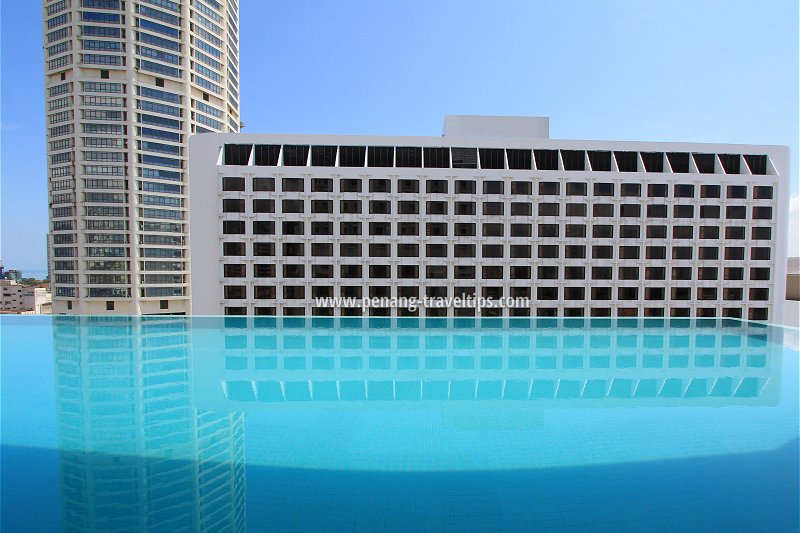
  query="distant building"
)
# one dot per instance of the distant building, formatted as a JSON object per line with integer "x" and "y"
{"x": 13, "y": 274}
{"x": 494, "y": 208}
{"x": 793, "y": 279}
{"x": 20, "y": 299}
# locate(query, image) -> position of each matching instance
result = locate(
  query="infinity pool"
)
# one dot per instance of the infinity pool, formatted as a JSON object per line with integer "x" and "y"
{"x": 234, "y": 424}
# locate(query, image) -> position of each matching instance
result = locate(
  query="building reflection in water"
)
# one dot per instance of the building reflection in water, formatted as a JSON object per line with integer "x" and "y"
{"x": 136, "y": 454}
{"x": 151, "y": 410}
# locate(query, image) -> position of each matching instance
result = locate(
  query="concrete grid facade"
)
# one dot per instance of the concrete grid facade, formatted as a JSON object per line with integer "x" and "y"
{"x": 492, "y": 208}
{"x": 126, "y": 84}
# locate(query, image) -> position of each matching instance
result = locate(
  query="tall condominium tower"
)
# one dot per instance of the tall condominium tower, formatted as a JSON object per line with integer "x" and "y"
{"x": 126, "y": 84}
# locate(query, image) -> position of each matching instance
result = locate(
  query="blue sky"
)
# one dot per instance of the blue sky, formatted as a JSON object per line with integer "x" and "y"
{"x": 710, "y": 71}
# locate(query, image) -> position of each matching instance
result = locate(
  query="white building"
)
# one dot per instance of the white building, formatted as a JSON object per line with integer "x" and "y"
{"x": 19, "y": 298}
{"x": 493, "y": 208}
{"x": 126, "y": 83}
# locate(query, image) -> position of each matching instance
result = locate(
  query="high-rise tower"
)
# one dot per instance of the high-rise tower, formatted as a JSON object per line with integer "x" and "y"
{"x": 126, "y": 83}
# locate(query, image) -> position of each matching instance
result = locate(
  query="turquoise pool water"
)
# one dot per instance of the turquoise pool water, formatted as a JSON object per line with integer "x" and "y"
{"x": 261, "y": 424}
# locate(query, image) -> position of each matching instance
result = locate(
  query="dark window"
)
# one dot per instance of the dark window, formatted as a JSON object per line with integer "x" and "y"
{"x": 631, "y": 189}
{"x": 603, "y": 210}
{"x": 322, "y": 228}
{"x": 380, "y": 228}
{"x": 294, "y": 292}
{"x": 350, "y": 272}
{"x": 573, "y": 160}
{"x": 381, "y": 207}
{"x": 760, "y": 253}
{"x": 287, "y": 206}
{"x": 734, "y": 232}
{"x": 408, "y": 186}
{"x": 266, "y": 155}
{"x": 759, "y": 294}
{"x": 704, "y": 162}
{"x": 492, "y": 230}
{"x": 520, "y": 272}
{"x": 548, "y": 251}
{"x": 709, "y": 232}
{"x": 681, "y": 293}
{"x": 626, "y": 161}
{"x": 489, "y": 208}
{"x": 710, "y": 191}
{"x": 547, "y": 293}
{"x": 233, "y": 227}
{"x": 574, "y": 293}
{"x": 759, "y": 274}
{"x": 575, "y": 251}
{"x": 437, "y": 157}
{"x": 657, "y": 190}
{"x": 706, "y": 293}
{"x": 237, "y": 154}
{"x": 264, "y": 249}
{"x": 654, "y": 293}
{"x": 468, "y": 208}
{"x": 230, "y": 249}
{"x": 292, "y": 227}
{"x": 761, "y": 233}
{"x": 350, "y": 206}
{"x": 436, "y": 229}
{"x": 492, "y": 250}
{"x": 734, "y": 273}
{"x": 234, "y": 271}
{"x": 521, "y": 187}
{"x": 323, "y": 156}
{"x": 657, "y": 211}
{"x": 295, "y": 155}
{"x": 628, "y": 293}
{"x": 600, "y": 161}
{"x": 682, "y": 252}
{"x": 408, "y": 228}
{"x": 321, "y": 185}
{"x": 464, "y": 157}
{"x": 737, "y": 212}
{"x": 380, "y": 156}
{"x": 350, "y": 249}
{"x": 520, "y": 209}
{"x": 352, "y": 156}
{"x": 520, "y": 251}
{"x": 730, "y": 163}
{"x": 519, "y": 159}
{"x": 601, "y": 293}
{"x": 268, "y": 206}
{"x": 234, "y": 292}
{"x": 656, "y": 252}
{"x": 264, "y": 271}
{"x": 656, "y": 232}
{"x": 380, "y": 271}
{"x": 263, "y": 227}
{"x": 110, "y": 305}
{"x": 436, "y": 186}
{"x": 603, "y": 189}
{"x": 231, "y": 205}
{"x": 465, "y": 187}
{"x": 762, "y": 192}
{"x": 629, "y": 252}
{"x": 464, "y": 229}
{"x": 757, "y": 164}
{"x": 734, "y": 253}
{"x": 493, "y": 187}
{"x": 464, "y": 250}
{"x": 629, "y": 231}
{"x": 762, "y": 213}
{"x": 682, "y": 190}
{"x": 350, "y": 228}
{"x": 548, "y": 230}
{"x": 709, "y": 211}
{"x": 546, "y": 159}
{"x": 408, "y": 156}
{"x": 436, "y": 272}
{"x": 549, "y": 188}
{"x": 603, "y": 231}
{"x": 602, "y": 252}
{"x": 576, "y": 189}
{"x": 492, "y": 158}
{"x": 679, "y": 162}
{"x": 655, "y": 273}
{"x": 653, "y": 161}
{"x": 682, "y": 273}
{"x": 321, "y": 271}
{"x": 601, "y": 273}
{"x": 737, "y": 191}
{"x": 436, "y": 208}
{"x": 682, "y": 232}
{"x": 576, "y": 230}
{"x": 322, "y": 249}
{"x": 683, "y": 211}
{"x": 575, "y": 272}
{"x": 707, "y": 273}
{"x": 292, "y": 185}
{"x": 576, "y": 210}
{"x": 380, "y": 185}
{"x": 547, "y": 272}
{"x": 407, "y": 250}
{"x": 464, "y": 272}
{"x": 734, "y": 293}
{"x": 630, "y": 210}
{"x": 548, "y": 210}
{"x": 230, "y": 183}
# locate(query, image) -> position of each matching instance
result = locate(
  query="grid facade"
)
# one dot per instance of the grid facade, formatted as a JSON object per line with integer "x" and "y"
{"x": 126, "y": 83}
{"x": 579, "y": 228}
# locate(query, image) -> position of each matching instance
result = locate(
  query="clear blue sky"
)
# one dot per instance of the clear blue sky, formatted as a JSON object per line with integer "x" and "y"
{"x": 706, "y": 71}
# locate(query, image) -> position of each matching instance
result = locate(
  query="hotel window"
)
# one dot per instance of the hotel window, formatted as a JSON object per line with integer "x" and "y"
{"x": 762, "y": 192}
{"x": 230, "y": 205}
{"x": 350, "y": 228}
{"x": 603, "y": 210}
{"x": 549, "y": 188}
{"x": 631, "y": 189}
{"x": 761, "y": 233}
{"x": 321, "y": 249}
{"x": 436, "y": 229}
{"x": 232, "y": 184}
{"x": 737, "y": 191}
{"x": 710, "y": 191}
{"x": 464, "y": 229}
{"x": 436, "y": 186}
{"x": 292, "y": 185}
{"x": 263, "y": 248}
{"x": 734, "y": 273}
{"x": 547, "y": 272}
{"x": 321, "y": 185}
{"x": 548, "y": 210}
{"x": 602, "y": 252}
{"x": 602, "y": 273}
{"x": 656, "y": 232}
{"x": 734, "y": 253}
{"x": 734, "y": 232}
{"x": 522, "y": 187}
{"x": 349, "y": 185}
{"x": 657, "y": 190}
{"x": 263, "y": 227}
{"x": 380, "y": 185}
{"x": 436, "y": 208}
{"x": 493, "y": 187}
{"x": 264, "y": 184}
{"x": 738, "y": 212}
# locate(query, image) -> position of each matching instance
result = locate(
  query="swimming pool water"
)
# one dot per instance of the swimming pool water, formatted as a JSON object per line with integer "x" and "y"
{"x": 299, "y": 424}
